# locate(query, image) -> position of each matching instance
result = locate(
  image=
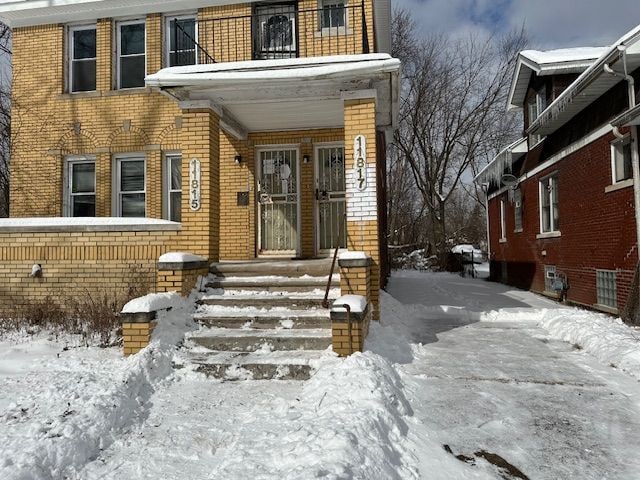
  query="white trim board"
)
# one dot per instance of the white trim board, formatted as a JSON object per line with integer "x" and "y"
{"x": 561, "y": 155}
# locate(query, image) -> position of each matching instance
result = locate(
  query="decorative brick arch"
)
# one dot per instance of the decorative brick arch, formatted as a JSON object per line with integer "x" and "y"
{"x": 77, "y": 142}
{"x": 169, "y": 138}
{"x": 123, "y": 140}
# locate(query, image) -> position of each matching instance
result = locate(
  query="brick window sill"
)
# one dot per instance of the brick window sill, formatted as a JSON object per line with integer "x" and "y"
{"x": 502, "y": 240}
{"x": 606, "y": 308}
{"x": 544, "y": 235}
{"x": 518, "y": 230}
{"x": 619, "y": 186}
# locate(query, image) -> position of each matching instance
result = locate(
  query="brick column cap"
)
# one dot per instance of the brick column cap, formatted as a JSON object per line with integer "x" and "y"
{"x": 181, "y": 261}
{"x": 354, "y": 259}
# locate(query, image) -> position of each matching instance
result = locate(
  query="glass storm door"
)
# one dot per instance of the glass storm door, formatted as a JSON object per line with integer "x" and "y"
{"x": 278, "y": 202}
{"x": 330, "y": 196}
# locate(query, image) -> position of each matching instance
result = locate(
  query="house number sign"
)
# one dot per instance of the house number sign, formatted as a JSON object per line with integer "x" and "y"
{"x": 194, "y": 185}
{"x": 360, "y": 162}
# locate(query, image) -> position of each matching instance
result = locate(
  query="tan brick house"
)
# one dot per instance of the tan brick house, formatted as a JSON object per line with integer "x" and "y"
{"x": 232, "y": 131}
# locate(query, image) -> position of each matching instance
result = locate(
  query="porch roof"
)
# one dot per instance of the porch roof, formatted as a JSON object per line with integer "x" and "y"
{"x": 286, "y": 94}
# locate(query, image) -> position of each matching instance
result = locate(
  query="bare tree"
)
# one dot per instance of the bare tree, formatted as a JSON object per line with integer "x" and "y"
{"x": 451, "y": 116}
{"x": 5, "y": 118}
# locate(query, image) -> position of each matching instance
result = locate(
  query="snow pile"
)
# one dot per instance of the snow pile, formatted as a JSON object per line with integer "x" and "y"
{"x": 70, "y": 438}
{"x": 414, "y": 260}
{"x": 606, "y": 338}
{"x": 466, "y": 249}
{"x": 357, "y": 303}
{"x": 353, "y": 256}
{"x": 180, "y": 257}
{"x": 152, "y": 303}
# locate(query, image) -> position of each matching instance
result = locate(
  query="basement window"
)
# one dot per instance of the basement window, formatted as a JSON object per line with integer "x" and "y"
{"x": 549, "y": 277}
{"x": 131, "y": 54}
{"x": 606, "y": 288}
{"x": 82, "y": 58}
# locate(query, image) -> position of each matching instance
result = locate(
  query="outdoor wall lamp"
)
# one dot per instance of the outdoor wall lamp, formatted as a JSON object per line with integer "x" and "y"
{"x": 238, "y": 159}
{"x": 305, "y": 158}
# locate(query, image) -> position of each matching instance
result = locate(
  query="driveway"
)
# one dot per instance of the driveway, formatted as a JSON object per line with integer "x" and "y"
{"x": 505, "y": 397}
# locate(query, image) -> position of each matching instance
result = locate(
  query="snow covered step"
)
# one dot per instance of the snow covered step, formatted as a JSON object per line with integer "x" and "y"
{"x": 248, "y": 340}
{"x": 252, "y": 318}
{"x": 260, "y": 267}
{"x": 286, "y": 365}
{"x": 263, "y": 301}
{"x": 273, "y": 283}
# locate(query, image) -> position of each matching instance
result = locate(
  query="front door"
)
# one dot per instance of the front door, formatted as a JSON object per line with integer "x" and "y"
{"x": 278, "y": 200}
{"x": 330, "y": 197}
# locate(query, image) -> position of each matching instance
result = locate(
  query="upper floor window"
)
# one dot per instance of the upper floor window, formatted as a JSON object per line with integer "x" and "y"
{"x": 82, "y": 58}
{"x": 536, "y": 104}
{"x": 80, "y": 187}
{"x": 130, "y": 181}
{"x": 549, "y": 211}
{"x": 503, "y": 221}
{"x": 181, "y": 40}
{"x": 131, "y": 54}
{"x": 173, "y": 187}
{"x": 333, "y": 14}
{"x": 621, "y": 159}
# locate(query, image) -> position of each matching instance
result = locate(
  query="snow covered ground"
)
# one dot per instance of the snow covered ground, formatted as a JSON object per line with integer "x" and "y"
{"x": 508, "y": 382}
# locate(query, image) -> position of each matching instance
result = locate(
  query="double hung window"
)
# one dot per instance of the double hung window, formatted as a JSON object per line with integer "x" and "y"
{"x": 82, "y": 58}
{"x": 517, "y": 209}
{"x": 333, "y": 14}
{"x": 130, "y": 183}
{"x": 621, "y": 159}
{"x": 173, "y": 187}
{"x": 536, "y": 104}
{"x": 503, "y": 221}
{"x": 81, "y": 188}
{"x": 549, "y": 211}
{"x": 131, "y": 54}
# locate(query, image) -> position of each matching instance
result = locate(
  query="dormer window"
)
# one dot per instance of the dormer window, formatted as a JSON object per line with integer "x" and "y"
{"x": 82, "y": 58}
{"x": 536, "y": 104}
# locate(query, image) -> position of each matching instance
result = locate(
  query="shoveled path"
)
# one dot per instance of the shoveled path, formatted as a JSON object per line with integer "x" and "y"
{"x": 507, "y": 392}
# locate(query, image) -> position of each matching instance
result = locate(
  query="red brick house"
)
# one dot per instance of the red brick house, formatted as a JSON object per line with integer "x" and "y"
{"x": 562, "y": 200}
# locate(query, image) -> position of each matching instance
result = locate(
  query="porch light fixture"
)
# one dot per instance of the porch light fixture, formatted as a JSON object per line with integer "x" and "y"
{"x": 305, "y": 158}
{"x": 238, "y": 159}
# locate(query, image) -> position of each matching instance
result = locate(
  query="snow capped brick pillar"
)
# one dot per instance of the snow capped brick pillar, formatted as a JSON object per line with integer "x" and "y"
{"x": 362, "y": 209}
{"x": 349, "y": 328}
{"x": 200, "y": 137}
{"x": 179, "y": 272}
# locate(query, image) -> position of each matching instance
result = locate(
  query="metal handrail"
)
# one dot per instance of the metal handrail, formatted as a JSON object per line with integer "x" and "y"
{"x": 325, "y": 301}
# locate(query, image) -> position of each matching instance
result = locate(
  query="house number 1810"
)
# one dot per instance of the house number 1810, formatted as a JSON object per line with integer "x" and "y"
{"x": 360, "y": 162}
{"x": 194, "y": 185}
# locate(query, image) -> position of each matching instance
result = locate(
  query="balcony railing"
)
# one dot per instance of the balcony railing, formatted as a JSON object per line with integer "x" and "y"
{"x": 272, "y": 32}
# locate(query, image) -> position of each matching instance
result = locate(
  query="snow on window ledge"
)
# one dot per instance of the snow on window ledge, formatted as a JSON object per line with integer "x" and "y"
{"x": 548, "y": 235}
{"x": 88, "y": 224}
{"x": 619, "y": 185}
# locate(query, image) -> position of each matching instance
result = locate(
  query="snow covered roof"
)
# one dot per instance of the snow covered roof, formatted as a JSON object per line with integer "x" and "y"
{"x": 550, "y": 62}
{"x": 502, "y": 162}
{"x": 591, "y": 84}
{"x": 298, "y": 93}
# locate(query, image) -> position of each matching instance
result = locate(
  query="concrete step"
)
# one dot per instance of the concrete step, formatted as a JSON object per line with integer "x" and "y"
{"x": 251, "y": 340}
{"x": 266, "y": 320}
{"x": 273, "y": 283}
{"x": 261, "y": 267}
{"x": 253, "y": 366}
{"x": 262, "y": 301}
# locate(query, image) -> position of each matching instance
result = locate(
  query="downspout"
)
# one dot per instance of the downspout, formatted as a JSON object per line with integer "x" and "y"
{"x": 635, "y": 156}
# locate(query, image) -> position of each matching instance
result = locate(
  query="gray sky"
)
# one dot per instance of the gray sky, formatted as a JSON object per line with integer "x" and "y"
{"x": 549, "y": 23}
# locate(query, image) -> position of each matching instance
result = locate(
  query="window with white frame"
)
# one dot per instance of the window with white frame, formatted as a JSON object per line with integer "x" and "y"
{"x": 80, "y": 187}
{"x": 549, "y": 211}
{"x": 621, "y": 159}
{"x": 180, "y": 42}
{"x": 517, "y": 210}
{"x": 606, "y": 288}
{"x": 333, "y": 14}
{"x": 503, "y": 221}
{"x": 549, "y": 277}
{"x": 131, "y": 54}
{"x": 173, "y": 187}
{"x": 130, "y": 181}
{"x": 536, "y": 104}
{"x": 82, "y": 58}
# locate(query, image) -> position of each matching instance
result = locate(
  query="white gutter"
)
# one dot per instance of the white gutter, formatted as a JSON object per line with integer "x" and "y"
{"x": 635, "y": 156}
